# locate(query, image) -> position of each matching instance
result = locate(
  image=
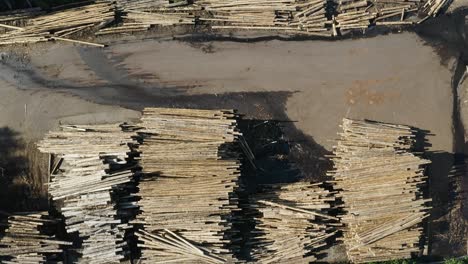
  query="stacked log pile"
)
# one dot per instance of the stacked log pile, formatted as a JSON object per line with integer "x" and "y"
{"x": 434, "y": 7}
{"x": 61, "y": 24}
{"x": 191, "y": 168}
{"x": 164, "y": 246}
{"x": 141, "y": 21}
{"x": 381, "y": 183}
{"x": 291, "y": 16}
{"x": 14, "y": 19}
{"x": 294, "y": 223}
{"x": 28, "y": 239}
{"x": 307, "y": 17}
{"x": 360, "y": 14}
{"x": 92, "y": 169}
{"x": 141, "y": 5}
{"x": 140, "y": 15}
{"x": 395, "y": 12}
{"x": 352, "y": 16}
{"x": 310, "y": 17}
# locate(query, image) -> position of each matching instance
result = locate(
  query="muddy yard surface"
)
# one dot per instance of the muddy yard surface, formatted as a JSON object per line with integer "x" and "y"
{"x": 313, "y": 83}
{"x": 306, "y": 86}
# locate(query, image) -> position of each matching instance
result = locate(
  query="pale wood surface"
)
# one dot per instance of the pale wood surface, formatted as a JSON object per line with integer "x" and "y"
{"x": 380, "y": 182}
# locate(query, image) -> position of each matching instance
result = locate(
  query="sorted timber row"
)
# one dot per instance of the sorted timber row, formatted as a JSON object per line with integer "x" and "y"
{"x": 29, "y": 238}
{"x": 291, "y": 16}
{"x": 191, "y": 170}
{"x": 324, "y": 18}
{"x": 92, "y": 168}
{"x": 58, "y": 25}
{"x": 294, "y": 223}
{"x": 307, "y": 17}
{"x": 380, "y": 182}
{"x": 361, "y": 14}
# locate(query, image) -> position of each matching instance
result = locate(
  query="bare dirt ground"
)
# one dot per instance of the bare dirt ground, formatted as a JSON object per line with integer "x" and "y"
{"x": 323, "y": 81}
{"x": 457, "y": 5}
{"x": 309, "y": 86}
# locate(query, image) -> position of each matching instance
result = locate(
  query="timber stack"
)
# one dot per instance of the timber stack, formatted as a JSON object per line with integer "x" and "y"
{"x": 92, "y": 169}
{"x": 310, "y": 17}
{"x": 362, "y": 14}
{"x": 323, "y": 18}
{"x": 141, "y": 15}
{"x": 29, "y": 238}
{"x": 191, "y": 168}
{"x": 396, "y": 12}
{"x": 381, "y": 184}
{"x": 60, "y": 25}
{"x": 433, "y": 7}
{"x": 289, "y": 16}
{"x": 18, "y": 18}
{"x": 352, "y": 15}
{"x": 139, "y": 5}
{"x": 294, "y": 223}
{"x": 301, "y": 17}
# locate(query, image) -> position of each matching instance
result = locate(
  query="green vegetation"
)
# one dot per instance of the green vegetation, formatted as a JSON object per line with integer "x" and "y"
{"x": 463, "y": 260}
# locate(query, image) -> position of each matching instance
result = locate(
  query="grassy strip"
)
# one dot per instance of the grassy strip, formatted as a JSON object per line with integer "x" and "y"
{"x": 463, "y": 260}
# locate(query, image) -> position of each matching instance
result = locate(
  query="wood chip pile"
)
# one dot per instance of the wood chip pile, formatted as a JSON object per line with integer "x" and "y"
{"x": 294, "y": 223}
{"x": 59, "y": 25}
{"x": 28, "y": 239}
{"x": 381, "y": 183}
{"x": 91, "y": 169}
{"x": 190, "y": 160}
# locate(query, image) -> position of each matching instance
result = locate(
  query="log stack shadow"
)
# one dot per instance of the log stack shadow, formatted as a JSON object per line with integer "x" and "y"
{"x": 22, "y": 174}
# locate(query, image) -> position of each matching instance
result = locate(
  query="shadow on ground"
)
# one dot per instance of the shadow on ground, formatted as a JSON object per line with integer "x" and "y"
{"x": 447, "y": 228}
{"x": 21, "y": 174}
{"x": 283, "y": 154}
